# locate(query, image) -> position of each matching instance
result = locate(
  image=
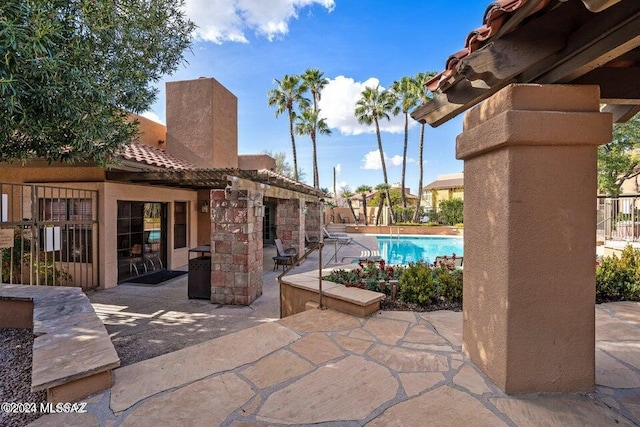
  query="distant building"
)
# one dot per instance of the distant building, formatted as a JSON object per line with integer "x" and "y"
{"x": 445, "y": 187}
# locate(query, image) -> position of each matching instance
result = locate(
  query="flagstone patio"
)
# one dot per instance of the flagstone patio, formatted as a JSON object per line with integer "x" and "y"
{"x": 392, "y": 368}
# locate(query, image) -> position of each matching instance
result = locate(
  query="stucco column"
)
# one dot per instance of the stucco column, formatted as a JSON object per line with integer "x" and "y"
{"x": 530, "y": 156}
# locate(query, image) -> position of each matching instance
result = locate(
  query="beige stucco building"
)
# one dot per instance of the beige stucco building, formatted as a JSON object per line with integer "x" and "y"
{"x": 445, "y": 187}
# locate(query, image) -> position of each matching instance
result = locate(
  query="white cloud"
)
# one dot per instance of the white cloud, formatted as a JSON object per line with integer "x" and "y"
{"x": 338, "y": 105}
{"x": 372, "y": 161}
{"x": 338, "y": 169}
{"x": 152, "y": 116}
{"x": 219, "y": 21}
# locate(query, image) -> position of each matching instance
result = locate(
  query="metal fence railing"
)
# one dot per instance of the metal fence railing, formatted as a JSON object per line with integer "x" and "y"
{"x": 618, "y": 218}
{"x": 49, "y": 235}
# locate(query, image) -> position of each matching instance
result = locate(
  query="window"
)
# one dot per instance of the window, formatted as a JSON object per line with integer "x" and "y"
{"x": 180, "y": 225}
{"x": 72, "y": 239}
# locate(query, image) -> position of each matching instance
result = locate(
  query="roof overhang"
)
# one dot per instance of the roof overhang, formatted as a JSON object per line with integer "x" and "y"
{"x": 564, "y": 42}
{"x": 201, "y": 179}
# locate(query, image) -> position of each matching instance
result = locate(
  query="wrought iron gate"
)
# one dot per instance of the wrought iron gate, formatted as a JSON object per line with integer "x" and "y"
{"x": 49, "y": 235}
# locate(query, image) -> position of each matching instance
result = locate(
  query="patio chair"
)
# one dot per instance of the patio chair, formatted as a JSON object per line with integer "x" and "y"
{"x": 342, "y": 238}
{"x": 285, "y": 257}
{"x": 343, "y": 218}
{"x": 310, "y": 241}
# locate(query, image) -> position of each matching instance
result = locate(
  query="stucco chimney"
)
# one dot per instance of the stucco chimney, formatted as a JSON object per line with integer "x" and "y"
{"x": 202, "y": 123}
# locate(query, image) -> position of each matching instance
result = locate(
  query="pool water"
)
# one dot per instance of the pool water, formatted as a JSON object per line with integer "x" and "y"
{"x": 402, "y": 250}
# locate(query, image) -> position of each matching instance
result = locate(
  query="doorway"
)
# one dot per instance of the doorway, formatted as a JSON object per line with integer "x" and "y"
{"x": 269, "y": 223}
{"x": 141, "y": 238}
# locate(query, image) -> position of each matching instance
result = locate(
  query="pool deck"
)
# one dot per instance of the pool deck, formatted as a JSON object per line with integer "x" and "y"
{"x": 323, "y": 367}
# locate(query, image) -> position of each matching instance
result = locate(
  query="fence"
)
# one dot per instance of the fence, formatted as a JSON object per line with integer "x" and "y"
{"x": 618, "y": 218}
{"x": 48, "y": 235}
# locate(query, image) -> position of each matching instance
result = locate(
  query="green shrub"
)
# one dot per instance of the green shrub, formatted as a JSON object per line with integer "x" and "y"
{"x": 619, "y": 278}
{"x": 450, "y": 212}
{"x": 345, "y": 277}
{"x": 416, "y": 284}
{"x": 448, "y": 283}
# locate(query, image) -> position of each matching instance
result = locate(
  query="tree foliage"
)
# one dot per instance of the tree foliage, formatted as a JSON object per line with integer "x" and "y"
{"x": 407, "y": 98}
{"x": 283, "y": 167}
{"x": 620, "y": 159}
{"x": 424, "y": 96}
{"x": 314, "y": 81}
{"x": 374, "y": 105}
{"x": 288, "y": 94}
{"x": 71, "y": 69}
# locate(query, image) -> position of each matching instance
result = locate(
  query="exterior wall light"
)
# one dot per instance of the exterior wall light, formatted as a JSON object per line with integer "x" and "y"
{"x": 204, "y": 206}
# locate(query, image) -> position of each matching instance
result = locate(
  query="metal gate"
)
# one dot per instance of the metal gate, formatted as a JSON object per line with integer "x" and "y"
{"x": 49, "y": 235}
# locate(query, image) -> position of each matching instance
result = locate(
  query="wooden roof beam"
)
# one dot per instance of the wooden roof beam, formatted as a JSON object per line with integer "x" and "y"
{"x": 609, "y": 35}
{"x": 621, "y": 113}
{"x": 617, "y": 85}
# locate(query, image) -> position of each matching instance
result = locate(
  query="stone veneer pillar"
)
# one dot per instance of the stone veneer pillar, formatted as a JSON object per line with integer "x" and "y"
{"x": 290, "y": 222}
{"x": 236, "y": 246}
{"x": 530, "y": 156}
{"x": 313, "y": 218}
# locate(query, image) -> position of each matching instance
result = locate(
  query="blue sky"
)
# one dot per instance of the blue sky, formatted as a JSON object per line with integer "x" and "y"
{"x": 245, "y": 44}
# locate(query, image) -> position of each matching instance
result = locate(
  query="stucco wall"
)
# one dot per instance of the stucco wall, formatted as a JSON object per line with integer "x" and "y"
{"x": 256, "y": 162}
{"x": 529, "y": 285}
{"x": 40, "y": 172}
{"x": 202, "y": 126}
{"x": 152, "y": 133}
{"x": 110, "y": 193}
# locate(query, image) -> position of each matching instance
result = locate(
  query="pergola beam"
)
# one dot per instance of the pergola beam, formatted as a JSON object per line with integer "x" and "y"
{"x": 621, "y": 113}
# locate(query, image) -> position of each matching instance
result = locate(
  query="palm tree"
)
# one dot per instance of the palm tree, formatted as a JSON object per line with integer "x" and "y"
{"x": 364, "y": 190}
{"x": 383, "y": 192}
{"x": 348, "y": 194}
{"x": 423, "y": 96}
{"x": 313, "y": 79}
{"x": 308, "y": 123}
{"x": 376, "y": 104}
{"x": 288, "y": 94}
{"x": 407, "y": 98}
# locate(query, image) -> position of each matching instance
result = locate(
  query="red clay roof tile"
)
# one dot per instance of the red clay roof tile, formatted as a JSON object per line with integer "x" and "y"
{"x": 154, "y": 157}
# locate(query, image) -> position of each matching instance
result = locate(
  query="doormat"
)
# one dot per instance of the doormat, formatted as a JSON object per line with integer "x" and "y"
{"x": 157, "y": 277}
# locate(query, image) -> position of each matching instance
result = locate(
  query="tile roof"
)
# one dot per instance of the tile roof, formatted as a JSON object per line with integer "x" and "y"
{"x": 441, "y": 184}
{"x": 496, "y": 18}
{"x": 154, "y": 157}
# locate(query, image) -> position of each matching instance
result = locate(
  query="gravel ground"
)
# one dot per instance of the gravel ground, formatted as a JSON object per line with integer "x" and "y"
{"x": 15, "y": 371}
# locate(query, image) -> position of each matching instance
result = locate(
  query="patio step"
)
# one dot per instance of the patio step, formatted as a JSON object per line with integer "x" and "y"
{"x": 72, "y": 353}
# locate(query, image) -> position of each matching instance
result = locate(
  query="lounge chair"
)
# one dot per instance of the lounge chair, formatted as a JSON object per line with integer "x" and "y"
{"x": 285, "y": 257}
{"x": 342, "y": 238}
{"x": 367, "y": 255}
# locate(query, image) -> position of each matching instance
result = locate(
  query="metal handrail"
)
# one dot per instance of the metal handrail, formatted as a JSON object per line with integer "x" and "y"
{"x": 317, "y": 246}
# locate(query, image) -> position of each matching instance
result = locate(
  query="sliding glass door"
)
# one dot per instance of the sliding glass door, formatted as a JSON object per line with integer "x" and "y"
{"x": 141, "y": 238}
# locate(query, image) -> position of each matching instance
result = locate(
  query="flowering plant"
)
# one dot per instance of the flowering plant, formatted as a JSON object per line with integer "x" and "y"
{"x": 368, "y": 275}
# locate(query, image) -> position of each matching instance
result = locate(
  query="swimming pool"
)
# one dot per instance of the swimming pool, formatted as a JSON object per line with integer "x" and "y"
{"x": 403, "y": 249}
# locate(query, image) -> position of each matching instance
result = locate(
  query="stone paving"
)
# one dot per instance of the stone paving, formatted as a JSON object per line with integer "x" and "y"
{"x": 322, "y": 367}
{"x": 146, "y": 321}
